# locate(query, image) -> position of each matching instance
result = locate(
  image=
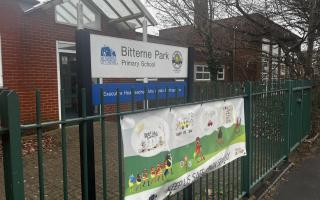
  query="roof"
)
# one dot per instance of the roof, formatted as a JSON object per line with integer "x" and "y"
{"x": 235, "y": 21}
{"x": 127, "y": 12}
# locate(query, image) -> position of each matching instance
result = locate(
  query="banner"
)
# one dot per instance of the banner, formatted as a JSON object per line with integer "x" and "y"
{"x": 122, "y": 58}
{"x": 125, "y": 96}
{"x": 168, "y": 149}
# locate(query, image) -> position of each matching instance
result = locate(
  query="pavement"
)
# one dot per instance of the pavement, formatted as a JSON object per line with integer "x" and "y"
{"x": 303, "y": 181}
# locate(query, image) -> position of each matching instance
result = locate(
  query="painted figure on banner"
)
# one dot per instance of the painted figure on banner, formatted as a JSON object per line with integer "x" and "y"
{"x": 220, "y": 136}
{"x": 159, "y": 172}
{"x": 153, "y": 175}
{"x": 138, "y": 180}
{"x": 198, "y": 152}
{"x": 227, "y": 114}
{"x": 237, "y": 127}
{"x": 168, "y": 165}
{"x": 132, "y": 182}
{"x": 145, "y": 177}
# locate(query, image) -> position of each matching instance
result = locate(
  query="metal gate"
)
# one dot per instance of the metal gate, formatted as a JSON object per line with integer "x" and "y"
{"x": 277, "y": 120}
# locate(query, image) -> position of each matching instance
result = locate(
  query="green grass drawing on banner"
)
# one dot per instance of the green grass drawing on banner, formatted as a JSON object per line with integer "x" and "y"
{"x": 210, "y": 146}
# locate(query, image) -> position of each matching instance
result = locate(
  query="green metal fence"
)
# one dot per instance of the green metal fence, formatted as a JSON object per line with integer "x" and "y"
{"x": 277, "y": 120}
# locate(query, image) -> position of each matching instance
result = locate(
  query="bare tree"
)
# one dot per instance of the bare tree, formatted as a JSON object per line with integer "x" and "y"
{"x": 200, "y": 14}
{"x": 300, "y": 16}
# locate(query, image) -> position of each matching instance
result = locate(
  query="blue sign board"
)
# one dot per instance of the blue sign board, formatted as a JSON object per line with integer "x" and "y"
{"x": 110, "y": 91}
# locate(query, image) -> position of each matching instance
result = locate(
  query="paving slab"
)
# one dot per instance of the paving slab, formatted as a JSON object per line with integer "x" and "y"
{"x": 303, "y": 182}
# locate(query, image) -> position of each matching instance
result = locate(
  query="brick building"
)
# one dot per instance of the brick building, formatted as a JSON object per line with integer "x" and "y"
{"x": 37, "y": 46}
{"x": 239, "y": 44}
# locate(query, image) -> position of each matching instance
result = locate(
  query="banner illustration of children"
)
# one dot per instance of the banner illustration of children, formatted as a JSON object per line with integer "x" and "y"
{"x": 167, "y": 149}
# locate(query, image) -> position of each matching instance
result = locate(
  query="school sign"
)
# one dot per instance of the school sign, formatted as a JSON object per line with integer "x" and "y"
{"x": 168, "y": 149}
{"x": 122, "y": 58}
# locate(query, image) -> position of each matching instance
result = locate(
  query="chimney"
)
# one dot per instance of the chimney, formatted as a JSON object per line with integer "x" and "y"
{"x": 201, "y": 14}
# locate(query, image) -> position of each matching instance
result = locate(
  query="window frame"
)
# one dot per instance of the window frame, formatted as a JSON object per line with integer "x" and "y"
{"x": 219, "y": 73}
{"x": 201, "y": 72}
{"x": 208, "y": 72}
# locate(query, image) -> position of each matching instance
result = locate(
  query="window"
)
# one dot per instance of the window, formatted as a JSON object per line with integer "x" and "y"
{"x": 202, "y": 73}
{"x": 266, "y": 46}
{"x": 265, "y": 68}
{"x": 1, "y": 77}
{"x": 220, "y": 73}
{"x": 67, "y": 13}
{"x": 283, "y": 70}
{"x": 275, "y": 70}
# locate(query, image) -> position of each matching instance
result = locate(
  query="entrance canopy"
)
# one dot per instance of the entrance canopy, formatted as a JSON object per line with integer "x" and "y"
{"x": 130, "y": 13}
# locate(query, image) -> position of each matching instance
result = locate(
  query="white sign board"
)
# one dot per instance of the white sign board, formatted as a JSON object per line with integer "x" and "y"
{"x": 121, "y": 58}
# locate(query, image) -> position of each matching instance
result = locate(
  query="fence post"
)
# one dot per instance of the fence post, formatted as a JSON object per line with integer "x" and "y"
{"x": 187, "y": 192}
{"x": 288, "y": 120}
{"x": 246, "y": 172}
{"x": 11, "y": 142}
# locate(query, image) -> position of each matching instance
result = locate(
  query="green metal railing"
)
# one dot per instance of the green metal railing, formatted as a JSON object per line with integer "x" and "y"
{"x": 277, "y": 120}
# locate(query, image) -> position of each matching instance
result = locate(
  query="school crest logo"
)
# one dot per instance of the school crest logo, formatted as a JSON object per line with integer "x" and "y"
{"x": 177, "y": 60}
{"x": 108, "y": 56}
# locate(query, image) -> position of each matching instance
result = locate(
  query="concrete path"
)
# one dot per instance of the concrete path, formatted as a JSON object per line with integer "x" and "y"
{"x": 303, "y": 182}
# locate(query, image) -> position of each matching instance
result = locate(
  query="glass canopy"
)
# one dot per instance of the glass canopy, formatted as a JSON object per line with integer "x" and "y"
{"x": 67, "y": 13}
{"x": 129, "y": 13}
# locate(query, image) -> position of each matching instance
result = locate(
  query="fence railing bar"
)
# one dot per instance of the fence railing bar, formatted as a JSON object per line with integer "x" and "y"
{"x": 219, "y": 183}
{"x": 85, "y": 189}
{"x": 39, "y": 147}
{"x": 103, "y": 146}
{"x": 207, "y": 186}
{"x": 97, "y": 117}
{"x": 64, "y": 147}
{"x": 120, "y": 162}
{"x": 213, "y": 184}
{"x": 301, "y": 88}
{"x": 266, "y": 92}
{"x": 11, "y": 143}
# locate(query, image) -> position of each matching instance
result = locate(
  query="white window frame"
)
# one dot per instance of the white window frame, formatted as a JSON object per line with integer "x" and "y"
{"x": 201, "y": 72}
{"x": 1, "y": 69}
{"x": 207, "y": 72}
{"x": 265, "y": 68}
{"x": 221, "y": 73}
{"x": 97, "y": 23}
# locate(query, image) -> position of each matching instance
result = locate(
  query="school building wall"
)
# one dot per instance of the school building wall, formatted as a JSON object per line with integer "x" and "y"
{"x": 29, "y": 55}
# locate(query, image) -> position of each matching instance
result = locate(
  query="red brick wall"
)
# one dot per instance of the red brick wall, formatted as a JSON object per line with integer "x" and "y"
{"x": 248, "y": 49}
{"x": 30, "y": 57}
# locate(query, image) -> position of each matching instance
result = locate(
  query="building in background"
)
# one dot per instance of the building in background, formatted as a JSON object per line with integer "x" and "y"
{"x": 244, "y": 53}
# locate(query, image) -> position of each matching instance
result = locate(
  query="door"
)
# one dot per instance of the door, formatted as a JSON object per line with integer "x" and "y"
{"x": 69, "y": 83}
